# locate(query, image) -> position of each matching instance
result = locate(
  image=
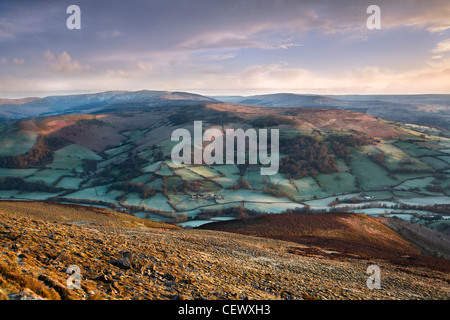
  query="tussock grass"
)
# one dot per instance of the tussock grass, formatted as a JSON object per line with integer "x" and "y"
{"x": 21, "y": 281}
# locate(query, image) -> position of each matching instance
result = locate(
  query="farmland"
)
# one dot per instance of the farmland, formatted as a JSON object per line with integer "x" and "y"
{"x": 327, "y": 170}
{"x": 14, "y": 141}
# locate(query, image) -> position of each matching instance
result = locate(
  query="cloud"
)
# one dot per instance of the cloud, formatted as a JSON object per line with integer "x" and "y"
{"x": 443, "y": 46}
{"x": 233, "y": 44}
{"x": 144, "y": 66}
{"x": 219, "y": 40}
{"x": 218, "y": 57}
{"x": 63, "y": 63}
{"x": 120, "y": 74}
{"x": 18, "y": 62}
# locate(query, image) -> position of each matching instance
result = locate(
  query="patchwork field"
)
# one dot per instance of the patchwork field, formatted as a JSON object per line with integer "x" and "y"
{"x": 127, "y": 164}
{"x": 371, "y": 175}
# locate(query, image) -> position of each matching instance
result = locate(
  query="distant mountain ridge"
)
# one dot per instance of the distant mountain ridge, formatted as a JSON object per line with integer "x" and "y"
{"x": 96, "y": 102}
{"x": 114, "y": 149}
{"x": 431, "y": 110}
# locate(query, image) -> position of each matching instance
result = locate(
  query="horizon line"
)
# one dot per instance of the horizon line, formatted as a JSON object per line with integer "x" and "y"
{"x": 14, "y": 94}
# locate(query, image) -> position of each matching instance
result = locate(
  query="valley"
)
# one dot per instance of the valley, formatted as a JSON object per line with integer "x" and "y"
{"x": 224, "y": 158}
{"x": 86, "y": 188}
{"x": 119, "y": 157}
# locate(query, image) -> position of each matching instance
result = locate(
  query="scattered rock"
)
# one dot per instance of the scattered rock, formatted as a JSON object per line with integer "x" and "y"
{"x": 169, "y": 277}
{"x": 194, "y": 264}
{"x": 123, "y": 263}
{"x": 63, "y": 257}
{"x": 125, "y": 254}
{"x": 170, "y": 284}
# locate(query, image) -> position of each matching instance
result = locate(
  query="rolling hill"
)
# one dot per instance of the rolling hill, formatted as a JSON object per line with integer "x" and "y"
{"x": 428, "y": 110}
{"x": 85, "y": 178}
{"x": 334, "y": 236}
{"x": 122, "y": 257}
{"x": 93, "y": 103}
{"x": 113, "y": 150}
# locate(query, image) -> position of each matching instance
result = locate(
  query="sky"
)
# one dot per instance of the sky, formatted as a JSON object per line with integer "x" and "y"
{"x": 218, "y": 47}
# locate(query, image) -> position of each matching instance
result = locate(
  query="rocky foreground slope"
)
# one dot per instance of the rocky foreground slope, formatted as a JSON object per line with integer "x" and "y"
{"x": 122, "y": 257}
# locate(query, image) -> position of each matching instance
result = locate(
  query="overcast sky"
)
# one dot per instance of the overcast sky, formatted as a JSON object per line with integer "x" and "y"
{"x": 228, "y": 47}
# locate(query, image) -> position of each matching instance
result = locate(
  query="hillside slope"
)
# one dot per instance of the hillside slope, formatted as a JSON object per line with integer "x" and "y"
{"x": 334, "y": 235}
{"x": 432, "y": 110}
{"x": 137, "y": 262}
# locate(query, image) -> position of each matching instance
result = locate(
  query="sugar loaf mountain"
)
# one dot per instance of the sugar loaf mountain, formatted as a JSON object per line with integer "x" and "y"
{"x": 359, "y": 178}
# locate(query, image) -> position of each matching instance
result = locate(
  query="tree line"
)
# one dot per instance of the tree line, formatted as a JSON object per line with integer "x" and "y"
{"x": 39, "y": 155}
{"x": 19, "y": 183}
{"x": 145, "y": 191}
{"x": 306, "y": 156}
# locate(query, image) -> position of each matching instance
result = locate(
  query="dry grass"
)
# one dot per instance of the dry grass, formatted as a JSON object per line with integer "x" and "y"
{"x": 12, "y": 277}
{"x": 76, "y": 213}
{"x": 184, "y": 264}
{"x": 349, "y": 235}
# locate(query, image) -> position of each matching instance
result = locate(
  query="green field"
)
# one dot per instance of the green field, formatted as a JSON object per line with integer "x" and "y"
{"x": 411, "y": 167}
{"x": 6, "y": 172}
{"x": 71, "y": 158}
{"x": 157, "y": 202}
{"x": 249, "y": 196}
{"x": 164, "y": 170}
{"x": 432, "y": 200}
{"x": 337, "y": 183}
{"x": 419, "y": 185}
{"x": 96, "y": 193}
{"x": 186, "y": 203}
{"x": 256, "y": 180}
{"x": 144, "y": 178}
{"x": 342, "y": 166}
{"x": 414, "y": 150}
{"x": 325, "y": 202}
{"x": 308, "y": 189}
{"x": 15, "y": 142}
{"x": 118, "y": 150}
{"x": 230, "y": 175}
{"x": 204, "y": 171}
{"x": 157, "y": 183}
{"x": 381, "y": 195}
{"x": 435, "y": 163}
{"x": 8, "y": 194}
{"x": 408, "y": 176}
{"x": 445, "y": 158}
{"x": 114, "y": 160}
{"x": 370, "y": 174}
{"x": 69, "y": 183}
{"x": 187, "y": 175}
{"x": 172, "y": 182}
{"x": 135, "y": 135}
{"x": 152, "y": 167}
{"x": 49, "y": 176}
{"x": 175, "y": 165}
{"x": 280, "y": 182}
